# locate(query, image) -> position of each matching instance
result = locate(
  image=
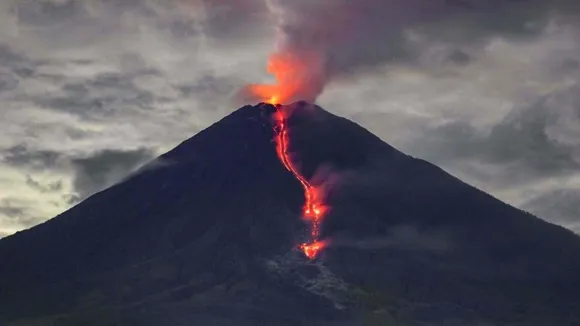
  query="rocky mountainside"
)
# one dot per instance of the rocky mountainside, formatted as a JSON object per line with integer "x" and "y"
{"x": 207, "y": 234}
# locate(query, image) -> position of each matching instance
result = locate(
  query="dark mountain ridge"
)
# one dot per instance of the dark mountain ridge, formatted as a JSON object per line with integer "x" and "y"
{"x": 207, "y": 235}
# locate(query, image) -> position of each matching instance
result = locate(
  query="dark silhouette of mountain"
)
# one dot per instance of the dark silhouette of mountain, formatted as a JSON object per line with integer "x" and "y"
{"x": 207, "y": 235}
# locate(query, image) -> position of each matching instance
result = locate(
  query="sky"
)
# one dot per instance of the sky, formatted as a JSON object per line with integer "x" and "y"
{"x": 90, "y": 90}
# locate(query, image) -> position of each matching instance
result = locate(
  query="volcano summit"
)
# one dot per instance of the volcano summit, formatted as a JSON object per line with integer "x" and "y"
{"x": 212, "y": 236}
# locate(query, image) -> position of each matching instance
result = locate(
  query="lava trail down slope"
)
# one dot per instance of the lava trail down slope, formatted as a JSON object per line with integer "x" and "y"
{"x": 314, "y": 208}
{"x": 210, "y": 234}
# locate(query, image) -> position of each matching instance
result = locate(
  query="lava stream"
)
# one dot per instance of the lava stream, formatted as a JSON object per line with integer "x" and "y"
{"x": 298, "y": 75}
{"x": 314, "y": 209}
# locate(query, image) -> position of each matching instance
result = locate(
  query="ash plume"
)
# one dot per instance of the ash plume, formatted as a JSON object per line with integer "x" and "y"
{"x": 323, "y": 40}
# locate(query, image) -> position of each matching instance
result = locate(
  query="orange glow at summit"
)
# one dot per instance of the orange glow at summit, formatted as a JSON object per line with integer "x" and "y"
{"x": 299, "y": 76}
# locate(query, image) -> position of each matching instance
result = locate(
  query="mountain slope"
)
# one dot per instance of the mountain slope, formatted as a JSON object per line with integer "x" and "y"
{"x": 208, "y": 233}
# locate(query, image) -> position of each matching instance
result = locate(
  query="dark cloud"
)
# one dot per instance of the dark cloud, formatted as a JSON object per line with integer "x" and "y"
{"x": 18, "y": 211}
{"x": 324, "y": 40}
{"x": 208, "y": 87}
{"x": 523, "y": 136}
{"x": 102, "y": 169}
{"x": 91, "y": 173}
{"x": 8, "y": 210}
{"x": 358, "y": 34}
{"x": 55, "y": 186}
{"x": 8, "y": 82}
{"x": 571, "y": 64}
{"x": 16, "y": 65}
{"x": 459, "y": 57}
{"x": 71, "y": 199}
{"x": 232, "y": 19}
{"x": 181, "y": 29}
{"x": 105, "y": 94}
{"x": 520, "y": 143}
{"x": 558, "y": 206}
{"x": 42, "y": 12}
{"x": 10, "y": 58}
{"x": 225, "y": 20}
{"x": 22, "y": 156}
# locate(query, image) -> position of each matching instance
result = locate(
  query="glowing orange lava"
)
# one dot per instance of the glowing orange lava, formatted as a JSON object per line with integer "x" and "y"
{"x": 299, "y": 76}
{"x": 282, "y": 67}
{"x": 312, "y": 249}
{"x": 314, "y": 208}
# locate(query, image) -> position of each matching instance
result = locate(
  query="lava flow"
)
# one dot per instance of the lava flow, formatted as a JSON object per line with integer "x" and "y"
{"x": 314, "y": 208}
{"x": 298, "y": 75}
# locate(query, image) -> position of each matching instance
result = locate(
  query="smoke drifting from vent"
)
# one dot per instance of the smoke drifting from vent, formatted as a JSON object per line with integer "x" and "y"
{"x": 300, "y": 63}
{"x": 322, "y": 40}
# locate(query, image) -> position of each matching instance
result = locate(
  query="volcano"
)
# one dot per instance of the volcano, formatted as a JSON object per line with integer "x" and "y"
{"x": 210, "y": 234}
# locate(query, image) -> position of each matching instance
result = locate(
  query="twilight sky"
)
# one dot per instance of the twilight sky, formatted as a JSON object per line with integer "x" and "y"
{"x": 91, "y": 89}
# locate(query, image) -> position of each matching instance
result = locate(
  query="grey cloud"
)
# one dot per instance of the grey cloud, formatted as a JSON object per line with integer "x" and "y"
{"x": 91, "y": 173}
{"x": 71, "y": 199}
{"x": 12, "y": 212}
{"x": 559, "y": 206}
{"x": 459, "y": 57}
{"x": 18, "y": 64}
{"x": 524, "y": 136}
{"x": 206, "y": 84}
{"x": 107, "y": 81}
{"x": 105, "y": 94}
{"x": 8, "y": 82}
{"x": 339, "y": 39}
{"x": 181, "y": 29}
{"x": 231, "y": 19}
{"x": 227, "y": 20}
{"x": 8, "y": 57}
{"x": 55, "y": 186}
{"x": 350, "y": 34}
{"x": 22, "y": 156}
{"x": 42, "y": 13}
{"x": 363, "y": 33}
{"x": 520, "y": 143}
{"x": 571, "y": 64}
{"x": 103, "y": 169}
{"x": 208, "y": 87}
{"x": 18, "y": 211}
